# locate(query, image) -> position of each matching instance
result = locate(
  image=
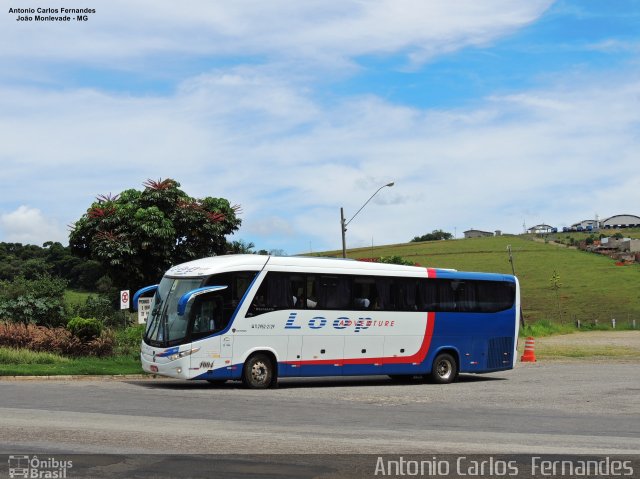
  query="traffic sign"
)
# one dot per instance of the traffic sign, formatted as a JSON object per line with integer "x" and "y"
{"x": 124, "y": 299}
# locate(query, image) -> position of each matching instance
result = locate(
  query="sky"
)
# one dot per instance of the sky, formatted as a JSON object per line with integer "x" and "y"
{"x": 487, "y": 115}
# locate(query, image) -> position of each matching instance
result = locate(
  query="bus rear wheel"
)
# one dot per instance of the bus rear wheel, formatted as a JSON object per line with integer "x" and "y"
{"x": 259, "y": 372}
{"x": 444, "y": 369}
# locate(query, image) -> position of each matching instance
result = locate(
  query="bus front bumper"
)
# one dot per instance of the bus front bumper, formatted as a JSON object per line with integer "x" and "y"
{"x": 178, "y": 368}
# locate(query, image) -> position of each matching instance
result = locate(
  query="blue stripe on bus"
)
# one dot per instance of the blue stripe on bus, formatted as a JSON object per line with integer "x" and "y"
{"x": 168, "y": 352}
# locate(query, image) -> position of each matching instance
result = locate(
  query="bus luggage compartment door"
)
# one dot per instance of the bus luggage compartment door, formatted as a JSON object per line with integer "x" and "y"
{"x": 293, "y": 362}
{"x": 363, "y": 355}
{"x": 214, "y": 358}
{"x": 322, "y": 356}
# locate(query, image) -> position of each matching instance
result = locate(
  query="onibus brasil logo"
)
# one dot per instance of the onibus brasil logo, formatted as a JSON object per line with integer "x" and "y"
{"x": 36, "y": 468}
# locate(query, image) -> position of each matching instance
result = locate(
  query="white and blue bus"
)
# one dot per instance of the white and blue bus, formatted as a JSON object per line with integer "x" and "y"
{"x": 259, "y": 318}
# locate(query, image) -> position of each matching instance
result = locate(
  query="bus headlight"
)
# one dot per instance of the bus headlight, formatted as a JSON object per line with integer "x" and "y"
{"x": 182, "y": 354}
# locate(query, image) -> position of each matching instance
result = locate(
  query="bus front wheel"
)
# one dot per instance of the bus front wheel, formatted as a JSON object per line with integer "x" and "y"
{"x": 444, "y": 369}
{"x": 258, "y": 372}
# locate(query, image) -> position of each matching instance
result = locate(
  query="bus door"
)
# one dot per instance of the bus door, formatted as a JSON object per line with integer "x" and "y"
{"x": 207, "y": 322}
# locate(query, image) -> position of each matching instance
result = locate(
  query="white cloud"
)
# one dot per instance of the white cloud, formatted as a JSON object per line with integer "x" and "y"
{"x": 265, "y": 137}
{"x": 555, "y": 155}
{"x": 322, "y": 32}
{"x": 271, "y": 226}
{"x": 615, "y": 46}
{"x": 29, "y": 226}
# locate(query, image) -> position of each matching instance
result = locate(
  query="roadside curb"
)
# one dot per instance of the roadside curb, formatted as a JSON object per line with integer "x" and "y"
{"x": 79, "y": 377}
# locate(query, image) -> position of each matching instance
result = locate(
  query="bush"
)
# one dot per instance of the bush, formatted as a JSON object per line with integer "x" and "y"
{"x": 54, "y": 340}
{"x": 100, "y": 347}
{"x": 39, "y": 301}
{"x": 85, "y": 328}
{"x": 545, "y": 327}
{"x": 389, "y": 260}
{"x": 14, "y": 335}
{"x": 99, "y": 307}
{"x": 104, "y": 285}
{"x": 128, "y": 340}
{"x": 396, "y": 260}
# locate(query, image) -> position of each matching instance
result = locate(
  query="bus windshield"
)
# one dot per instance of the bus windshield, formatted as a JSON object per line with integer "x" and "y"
{"x": 165, "y": 327}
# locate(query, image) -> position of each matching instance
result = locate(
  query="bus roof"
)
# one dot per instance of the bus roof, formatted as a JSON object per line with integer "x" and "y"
{"x": 252, "y": 262}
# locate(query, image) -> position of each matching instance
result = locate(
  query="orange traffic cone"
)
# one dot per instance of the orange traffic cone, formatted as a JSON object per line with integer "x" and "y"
{"x": 529, "y": 355}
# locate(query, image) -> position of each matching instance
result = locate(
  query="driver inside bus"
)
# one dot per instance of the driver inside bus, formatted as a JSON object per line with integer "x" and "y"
{"x": 208, "y": 316}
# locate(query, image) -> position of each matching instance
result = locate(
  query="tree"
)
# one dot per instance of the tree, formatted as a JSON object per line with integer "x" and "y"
{"x": 435, "y": 235}
{"x": 240, "y": 247}
{"x": 32, "y": 262}
{"x": 137, "y": 235}
{"x": 272, "y": 252}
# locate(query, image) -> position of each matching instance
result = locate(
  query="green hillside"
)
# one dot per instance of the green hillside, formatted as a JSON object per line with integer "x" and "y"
{"x": 592, "y": 287}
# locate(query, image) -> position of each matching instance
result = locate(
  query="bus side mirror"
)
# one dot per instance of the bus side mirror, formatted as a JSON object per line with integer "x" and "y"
{"x": 140, "y": 292}
{"x": 187, "y": 297}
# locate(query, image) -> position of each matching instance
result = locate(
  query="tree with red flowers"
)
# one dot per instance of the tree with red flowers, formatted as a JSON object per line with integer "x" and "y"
{"x": 138, "y": 235}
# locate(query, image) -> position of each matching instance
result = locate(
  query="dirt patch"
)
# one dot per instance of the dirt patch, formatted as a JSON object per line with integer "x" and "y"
{"x": 601, "y": 345}
{"x": 625, "y": 339}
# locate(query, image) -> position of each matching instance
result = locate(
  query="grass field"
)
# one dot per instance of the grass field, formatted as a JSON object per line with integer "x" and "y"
{"x": 74, "y": 298}
{"x": 20, "y": 362}
{"x": 591, "y": 288}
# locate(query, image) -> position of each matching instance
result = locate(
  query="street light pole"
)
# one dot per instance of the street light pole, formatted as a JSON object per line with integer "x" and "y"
{"x": 343, "y": 230}
{"x": 343, "y": 224}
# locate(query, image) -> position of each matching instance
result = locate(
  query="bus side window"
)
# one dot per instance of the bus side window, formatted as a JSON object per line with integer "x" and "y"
{"x": 242, "y": 283}
{"x": 312, "y": 292}
{"x": 465, "y": 293}
{"x": 334, "y": 292}
{"x": 446, "y": 295}
{"x": 259, "y": 303}
{"x": 207, "y": 313}
{"x": 494, "y": 296}
{"x": 297, "y": 291}
{"x": 275, "y": 293}
{"x": 363, "y": 293}
{"x": 427, "y": 295}
{"x": 383, "y": 293}
{"x": 405, "y": 294}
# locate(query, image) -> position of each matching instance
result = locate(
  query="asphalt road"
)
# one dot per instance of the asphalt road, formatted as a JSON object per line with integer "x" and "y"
{"x": 565, "y": 408}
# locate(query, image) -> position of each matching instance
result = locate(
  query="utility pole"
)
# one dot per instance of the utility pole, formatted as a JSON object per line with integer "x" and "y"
{"x": 513, "y": 271}
{"x": 343, "y": 230}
